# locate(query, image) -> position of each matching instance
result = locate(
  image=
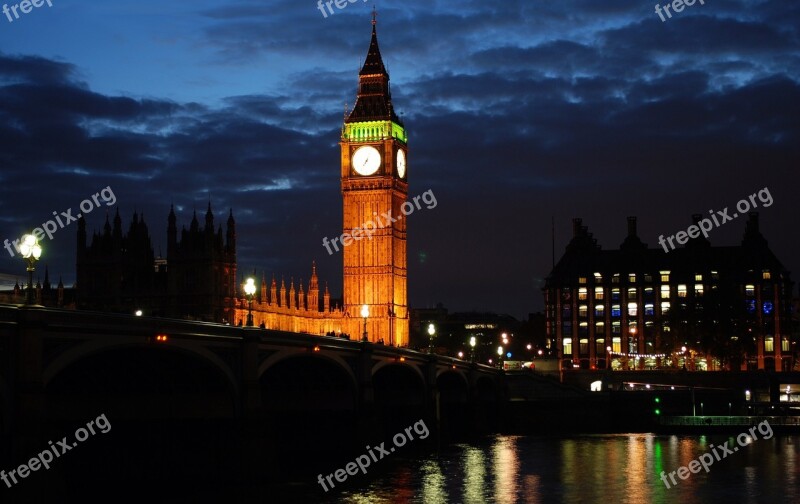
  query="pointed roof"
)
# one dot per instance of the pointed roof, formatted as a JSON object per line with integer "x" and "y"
{"x": 373, "y": 65}
{"x": 374, "y": 101}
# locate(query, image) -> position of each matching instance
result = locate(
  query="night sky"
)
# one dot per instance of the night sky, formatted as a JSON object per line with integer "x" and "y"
{"x": 518, "y": 113}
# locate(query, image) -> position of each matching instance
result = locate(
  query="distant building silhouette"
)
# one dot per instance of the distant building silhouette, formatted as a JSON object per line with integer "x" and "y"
{"x": 44, "y": 293}
{"x": 120, "y": 273}
{"x": 637, "y": 307}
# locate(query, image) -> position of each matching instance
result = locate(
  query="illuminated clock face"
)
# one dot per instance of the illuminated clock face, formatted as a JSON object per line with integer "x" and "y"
{"x": 366, "y": 160}
{"x": 401, "y": 163}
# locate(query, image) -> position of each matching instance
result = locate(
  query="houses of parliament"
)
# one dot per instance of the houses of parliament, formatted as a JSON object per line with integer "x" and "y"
{"x": 118, "y": 271}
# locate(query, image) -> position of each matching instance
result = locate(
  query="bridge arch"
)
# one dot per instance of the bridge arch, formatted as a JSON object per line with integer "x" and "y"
{"x": 400, "y": 396}
{"x": 172, "y": 413}
{"x": 290, "y": 353}
{"x": 101, "y": 345}
{"x": 311, "y": 401}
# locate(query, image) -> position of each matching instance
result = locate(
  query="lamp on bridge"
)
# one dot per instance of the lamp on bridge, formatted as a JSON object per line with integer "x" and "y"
{"x": 249, "y": 291}
{"x": 31, "y": 252}
{"x": 431, "y": 333}
{"x": 472, "y": 343}
{"x": 365, "y": 314}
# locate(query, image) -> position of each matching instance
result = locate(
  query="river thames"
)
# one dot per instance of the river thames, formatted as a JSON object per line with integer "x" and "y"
{"x": 615, "y": 468}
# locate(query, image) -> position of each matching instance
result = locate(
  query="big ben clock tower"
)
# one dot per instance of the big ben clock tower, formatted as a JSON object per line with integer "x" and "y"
{"x": 374, "y": 187}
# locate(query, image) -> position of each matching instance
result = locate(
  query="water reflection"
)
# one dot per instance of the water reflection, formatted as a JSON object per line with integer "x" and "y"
{"x": 600, "y": 468}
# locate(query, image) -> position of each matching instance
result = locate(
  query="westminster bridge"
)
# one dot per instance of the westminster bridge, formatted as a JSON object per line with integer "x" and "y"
{"x": 184, "y": 396}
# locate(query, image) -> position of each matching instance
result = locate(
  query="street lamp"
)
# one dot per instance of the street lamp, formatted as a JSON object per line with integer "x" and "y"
{"x": 500, "y": 356}
{"x": 31, "y": 252}
{"x": 365, "y": 314}
{"x": 472, "y": 343}
{"x": 249, "y": 290}
{"x": 431, "y": 333}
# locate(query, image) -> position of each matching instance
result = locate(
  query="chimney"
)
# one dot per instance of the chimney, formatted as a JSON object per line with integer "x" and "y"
{"x": 752, "y": 222}
{"x": 576, "y": 227}
{"x": 632, "y": 226}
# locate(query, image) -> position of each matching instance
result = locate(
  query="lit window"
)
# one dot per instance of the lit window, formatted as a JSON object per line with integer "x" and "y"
{"x": 665, "y": 307}
{"x": 664, "y": 276}
{"x": 583, "y": 328}
{"x": 666, "y": 328}
{"x": 765, "y": 275}
{"x": 616, "y": 345}
{"x": 698, "y": 278}
{"x": 632, "y": 309}
{"x": 599, "y": 328}
{"x": 682, "y": 290}
{"x": 598, "y": 277}
{"x": 599, "y": 310}
{"x": 632, "y": 277}
{"x": 598, "y": 293}
{"x": 767, "y": 307}
{"x": 784, "y": 344}
{"x": 751, "y": 306}
{"x": 584, "y": 346}
{"x": 616, "y": 327}
{"x": 615, "y": 310}
{"x": 600, "y": 345}
{"x": 581, "y": 280}
{"x": 648, "y": 309}
{"x": 698, "y": 290}
{"x": 665, "y": 291}
{"x": 615, "y": 278}
{"x": 567, "y": 346}
{"x": 583, "y": 310}
{"x": 769, "y": 344}
{"x": 750, "y": 290}
{"x": 632, "y": 293}
{"x": 614, "y": 294}
{"x": 582, "y": 294}
{"x": 648, "y": 292}
{"x": 714, "y": 275}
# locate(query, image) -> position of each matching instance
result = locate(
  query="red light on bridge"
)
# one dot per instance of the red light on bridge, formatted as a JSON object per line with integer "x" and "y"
{"x": 316, "y": 348}
{"x": 402, "y": 359}
{"x": 162, "y": 338}
{"x": 454, "y": 366}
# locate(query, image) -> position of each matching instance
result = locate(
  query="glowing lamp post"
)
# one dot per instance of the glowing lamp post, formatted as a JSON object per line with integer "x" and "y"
{"x": 431, "y": 334}
{"x": 365, "y": 314}
{"x": 31, "y": 252}
{"x": 249, "y": 291}
{"x": 472, "y": 343}
{"x": 500, "y": 356}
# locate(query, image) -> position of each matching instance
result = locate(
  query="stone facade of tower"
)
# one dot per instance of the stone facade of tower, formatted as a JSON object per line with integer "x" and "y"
{"x": 374, "y": 187}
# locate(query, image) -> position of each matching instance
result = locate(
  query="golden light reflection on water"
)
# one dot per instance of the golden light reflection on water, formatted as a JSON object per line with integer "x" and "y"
{"x": 622, "y": 468}
{"x": 474, "y": 463}
{"x": 506, "y": 469}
